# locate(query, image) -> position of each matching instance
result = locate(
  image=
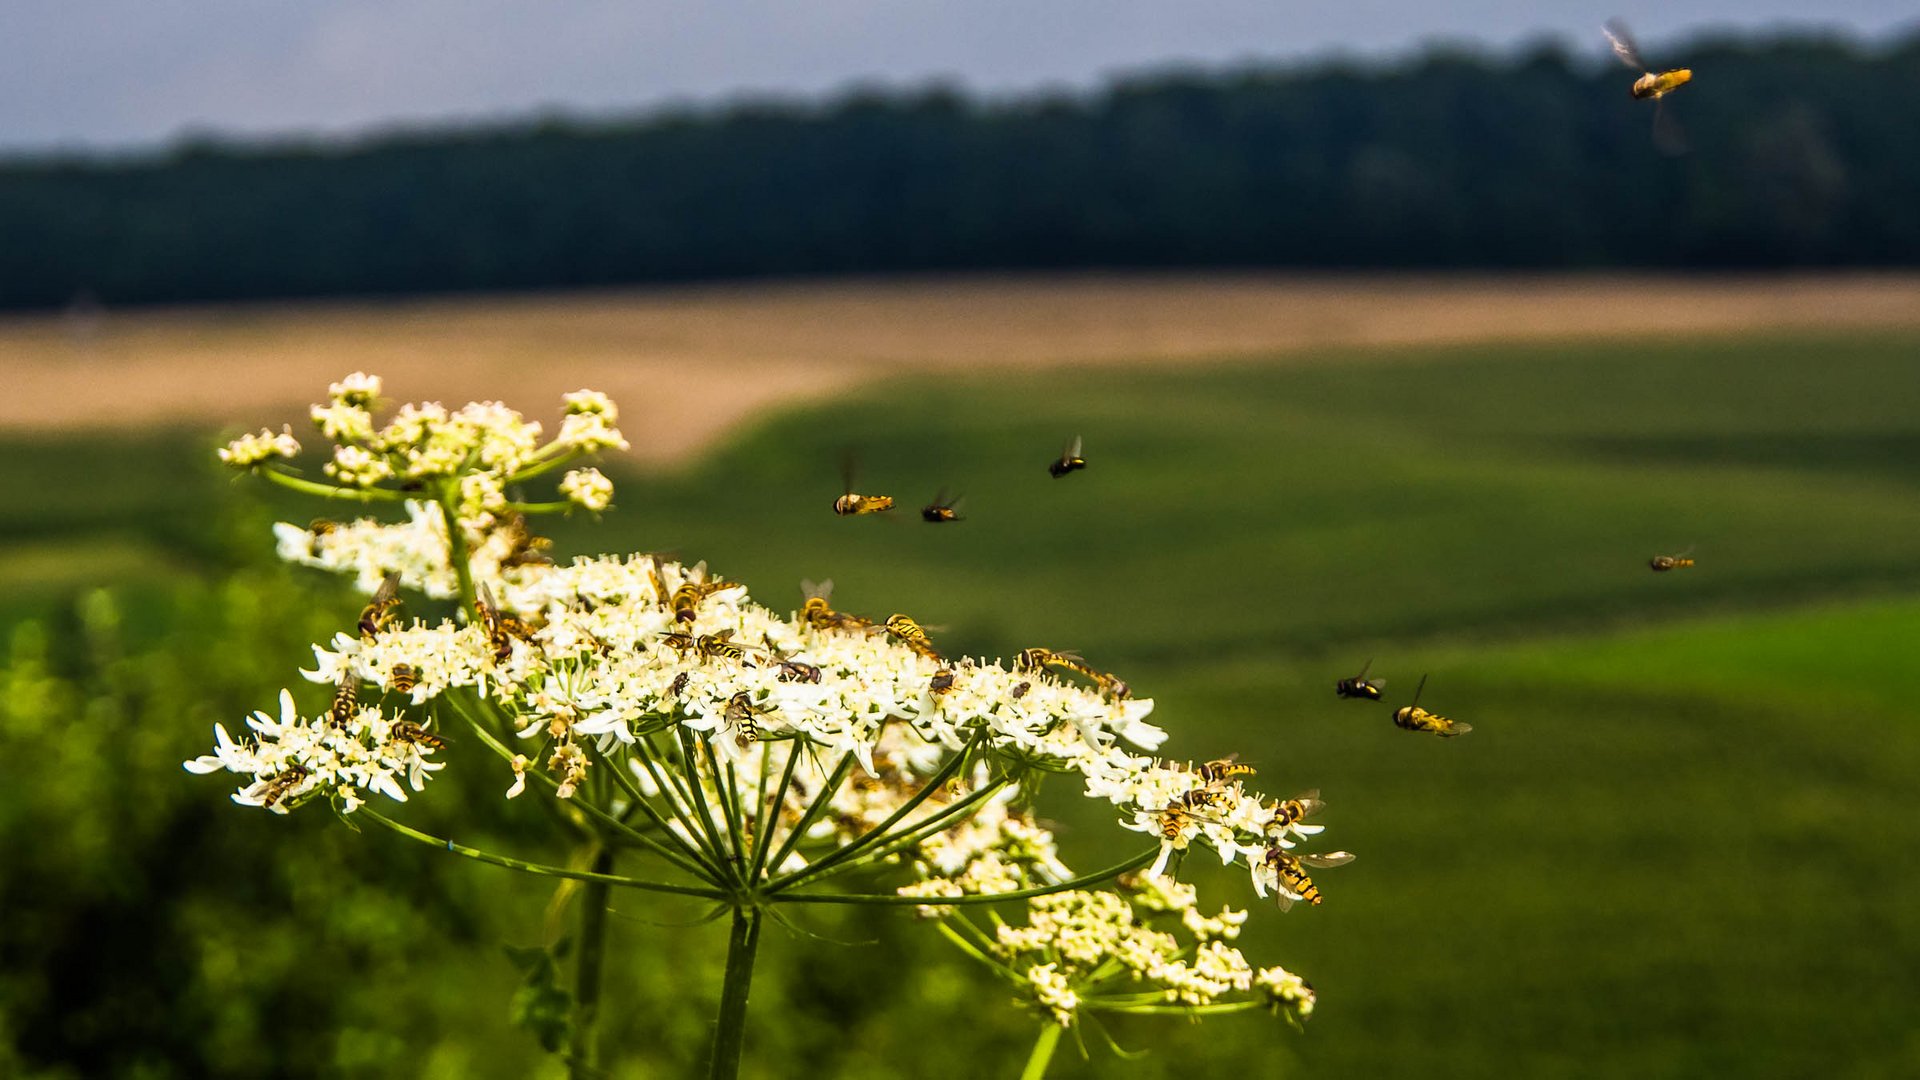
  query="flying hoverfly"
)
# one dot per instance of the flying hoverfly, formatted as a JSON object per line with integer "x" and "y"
{"x": 1291, "y": 877}
{"x": 1070, "y": 459}
{"x": 381, "y": 610}
{"x": 1650, "y": 86}
{"x": 1660, "y": 564}
{"x": 1359, "y": 687}
{"x": 1414, "y": 718}
{"x": 941, "y": 509}
{"x": 851, "y": 503}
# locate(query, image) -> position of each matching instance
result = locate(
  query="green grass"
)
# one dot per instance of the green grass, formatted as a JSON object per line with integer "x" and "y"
{"x": 1679, "y": 841}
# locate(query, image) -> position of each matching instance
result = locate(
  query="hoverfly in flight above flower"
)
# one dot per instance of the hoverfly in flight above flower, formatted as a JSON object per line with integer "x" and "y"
{"x": 1651, "y": 86}
{"x": 382, "y": 609}
{"x": 851, "y": 503}
{"x": 1414, "y": 718}
{"x": 1070, "y": 460}
{"x": 1660, "y": 564}
{"x": 941, "y": 509}
{"x": 1359, "y": 687}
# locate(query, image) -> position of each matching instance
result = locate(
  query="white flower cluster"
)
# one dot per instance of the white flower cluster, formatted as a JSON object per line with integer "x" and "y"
{"x": 1090, "y": 949}
{"x": 588, "y": 489}
{"x": 248, "y": 451}
{"x": 292, "y": 758}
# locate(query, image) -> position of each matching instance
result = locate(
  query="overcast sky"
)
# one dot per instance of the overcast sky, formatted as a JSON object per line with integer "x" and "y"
{"x": 109, "y": 73}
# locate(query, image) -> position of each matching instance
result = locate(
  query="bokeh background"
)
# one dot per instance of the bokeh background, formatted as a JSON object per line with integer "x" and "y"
{"x": 1391, "y": 335}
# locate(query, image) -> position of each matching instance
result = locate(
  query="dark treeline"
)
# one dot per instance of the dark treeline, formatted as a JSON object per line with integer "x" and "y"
{"x": 1803, "y": 152}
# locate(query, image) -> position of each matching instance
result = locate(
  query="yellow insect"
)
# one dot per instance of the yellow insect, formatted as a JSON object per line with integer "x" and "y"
{"x": 1660, "y": 564}
{"x": 720, "y": 644}
{"x": 741, "y": 715}
{"x": 1070, "y": 460}
{"x": 1290, "y": 873}
{"x": 852, "y": 503}
{"x": 501, "y": 627}
{"x": 681, "y": 643}
{"x": 817, "y": 613}
{"x": 686, "y": 599}
{"x": 1650, "y": 86}
{"x": 282, "y": 783}
{"x": 403, "y": 678}
{"x": 523, "y": 547}
{"x": 1359, "y": 687}
{"x": 382, "y": 610}
{"x": 1220, "y": 770}
{"x": 409, "y": 732}
{"x": 1414, "y": 718}
{"x": 913, "y": 636}
{"x": 795, "y": 671}
{"x": 346, "y": 701}
{"x": 940, "y": 510}
{"x": 1291, "y": 812}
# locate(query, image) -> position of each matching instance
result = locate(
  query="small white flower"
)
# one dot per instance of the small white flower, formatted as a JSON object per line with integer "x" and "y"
{"x": 588, "y": 489}
{"x": 358, "y": 389}
{"x": 248, "y": 451}
{"x": 357, "y": 467}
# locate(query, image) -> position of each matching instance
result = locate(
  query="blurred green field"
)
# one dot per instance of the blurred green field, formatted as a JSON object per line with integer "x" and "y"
{"x": 1678, "y": 842}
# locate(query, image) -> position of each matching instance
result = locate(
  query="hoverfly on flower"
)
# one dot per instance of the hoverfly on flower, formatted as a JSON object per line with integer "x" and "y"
{"x": 381, "y": 610}
{"x": 1290, "y": 876}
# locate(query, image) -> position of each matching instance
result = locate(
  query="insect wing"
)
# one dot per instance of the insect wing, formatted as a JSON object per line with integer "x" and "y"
{"x": 1623, "y": 45}
{"x": 388, "y": 591}
{"x": 1331, "y": 858}
{"x": 1668, "y": 138}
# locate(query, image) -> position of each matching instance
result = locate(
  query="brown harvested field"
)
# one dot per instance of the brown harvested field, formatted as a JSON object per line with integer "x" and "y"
{"x": 688, "y": 363}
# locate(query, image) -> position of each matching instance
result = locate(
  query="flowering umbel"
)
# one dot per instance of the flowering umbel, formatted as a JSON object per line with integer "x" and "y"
{"x": 753, "y": 754}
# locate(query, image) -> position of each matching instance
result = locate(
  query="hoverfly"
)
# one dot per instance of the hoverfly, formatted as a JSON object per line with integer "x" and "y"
{"x": 795, "y": 671}
{"x": 1660, "y": 564}
{"x": 1650, "y": 86}
{"x": 721, "y": 644}
{"x": 913, "y": 636}
{"x": 380, "y": 610}
{"x": 523, "y": 547}
{"x": 817, "y": 613}
{"x": 501, "y": 628}
{"x": 1221, "y": 770}
{"x": 851, "y": 503}
{"x": 1359, "y": 687}
{"x": 741, "y": 716}
{"x": 1292, "y": 812}
{"x": 1068, "y": 461}
{"x": 403, "y": 678}
{"x": 941, "y": 509}
{"x": 1292, "y": 880}
{"x": 409, "y": 732}
{"x": 346, "y": 701}
{"x": 1414, "y": 718}
{"x": 282, "y": 783}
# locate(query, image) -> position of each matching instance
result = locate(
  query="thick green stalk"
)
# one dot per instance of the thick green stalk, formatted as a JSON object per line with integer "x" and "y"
{"x": 583, "y": 1062}
{"x": 1042, "y": 1051}
{"x": 457, "y": 550}
{"x": 730, "y": 1032}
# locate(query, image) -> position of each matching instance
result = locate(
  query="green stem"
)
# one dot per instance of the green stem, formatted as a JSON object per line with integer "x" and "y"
{"x": 1082, "y": 881}
{"x": 1042, "y": 1052}
{"x": 329, "y": 491}
{"x": 730, "y": 1032}
{"x": 584, "y": 1060}
{"x": 457, "y": 551}
{"x": 533, "y": 867}
{"x": 877, "y": 833}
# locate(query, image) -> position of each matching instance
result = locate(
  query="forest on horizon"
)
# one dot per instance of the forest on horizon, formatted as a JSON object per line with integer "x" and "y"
{"x": 1801, "y": 153}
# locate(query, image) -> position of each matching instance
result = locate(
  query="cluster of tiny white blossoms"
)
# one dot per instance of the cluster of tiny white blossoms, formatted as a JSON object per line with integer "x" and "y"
{"x": 248, "y": 451}
{"x": 292, "y": 757}
{"x": 1096, "y": 951}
